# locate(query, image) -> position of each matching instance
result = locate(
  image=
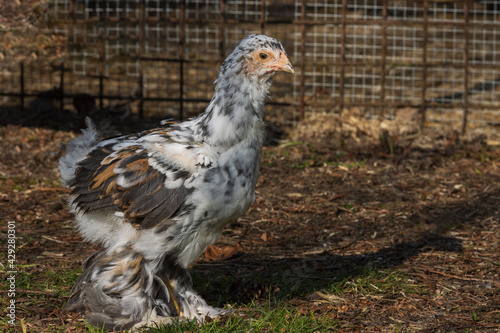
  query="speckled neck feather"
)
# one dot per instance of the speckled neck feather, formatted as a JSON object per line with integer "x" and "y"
{"x": 236, "y": 110}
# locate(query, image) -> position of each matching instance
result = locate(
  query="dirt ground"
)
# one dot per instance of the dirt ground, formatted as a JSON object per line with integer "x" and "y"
{"x": 399, "y": 233}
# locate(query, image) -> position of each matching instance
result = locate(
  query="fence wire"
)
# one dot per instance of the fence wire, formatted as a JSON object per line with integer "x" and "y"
{"x": 440, "y": 58}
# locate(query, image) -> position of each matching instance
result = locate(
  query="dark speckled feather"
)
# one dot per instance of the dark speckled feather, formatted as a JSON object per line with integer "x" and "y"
{"x": 146, "y": 202}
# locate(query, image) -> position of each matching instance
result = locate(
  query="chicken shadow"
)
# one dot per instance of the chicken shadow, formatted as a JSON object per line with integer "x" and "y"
{"x": 44, "y": 112}
{"x": 249, "y": 277}
{"x": 46, "y": 109}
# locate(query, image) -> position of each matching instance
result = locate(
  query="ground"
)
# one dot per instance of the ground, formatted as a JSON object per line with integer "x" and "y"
{"x": 349, "y": 234}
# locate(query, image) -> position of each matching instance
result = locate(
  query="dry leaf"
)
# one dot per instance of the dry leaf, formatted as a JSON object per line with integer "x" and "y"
{"x": 52, "y": 254}
{"x": 319, "y": 296}
{"x": 294, "y": 195}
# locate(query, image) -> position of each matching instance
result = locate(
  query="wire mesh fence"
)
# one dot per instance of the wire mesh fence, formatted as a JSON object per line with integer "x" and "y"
{"x": 439, "y": 58}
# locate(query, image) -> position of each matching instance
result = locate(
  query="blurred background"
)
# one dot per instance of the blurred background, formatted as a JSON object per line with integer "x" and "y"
{"x": 423, "y": 64}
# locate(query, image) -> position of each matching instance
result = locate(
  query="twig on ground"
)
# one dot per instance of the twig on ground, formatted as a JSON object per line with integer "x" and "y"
{"x": 495, "y": 283}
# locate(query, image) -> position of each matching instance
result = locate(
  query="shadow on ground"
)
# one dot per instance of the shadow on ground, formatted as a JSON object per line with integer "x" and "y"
{"x": 251, "y": 277}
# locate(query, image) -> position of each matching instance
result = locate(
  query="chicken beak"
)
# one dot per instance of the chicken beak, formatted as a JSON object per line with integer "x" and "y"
{"x": 284, "y": 64}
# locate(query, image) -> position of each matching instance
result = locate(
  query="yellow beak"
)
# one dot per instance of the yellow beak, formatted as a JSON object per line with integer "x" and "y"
{"x": 284, "y": 64}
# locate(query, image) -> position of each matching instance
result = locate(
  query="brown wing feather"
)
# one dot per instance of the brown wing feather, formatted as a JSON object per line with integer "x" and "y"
{"x": 124, "y": 180}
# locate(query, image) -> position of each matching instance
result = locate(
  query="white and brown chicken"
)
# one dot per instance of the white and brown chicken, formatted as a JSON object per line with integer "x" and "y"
{"x": 155, "y": 200}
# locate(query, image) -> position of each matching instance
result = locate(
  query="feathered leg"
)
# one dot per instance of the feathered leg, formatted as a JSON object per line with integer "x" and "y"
{"x": 117, "y": 290}
{"x": 189, "y": 302}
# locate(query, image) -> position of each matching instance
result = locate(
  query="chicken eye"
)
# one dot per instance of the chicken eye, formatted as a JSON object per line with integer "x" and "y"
{"x": 263, "y": 56}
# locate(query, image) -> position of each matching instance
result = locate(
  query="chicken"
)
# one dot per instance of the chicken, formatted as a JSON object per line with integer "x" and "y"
{"x": 155, "y": 200}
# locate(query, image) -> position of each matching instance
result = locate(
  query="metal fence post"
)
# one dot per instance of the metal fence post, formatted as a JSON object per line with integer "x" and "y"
{"x": 303, "y": 58}
{"x": 101, "y": 68}
{"x": 423, "y": 105}
{"x": 262, "y": 15}
{"x": 466, "y": 67}
{"x": 182, "y": 37}
{"x": 142, "y": 13}
{"x": 342, "y": 56}
{"x": 61, "y": 89}
{"x": 141, "y": 96}
{"x": 222, "y": 24}
{"x": 384, "y": 56}
{"x": 22, "y": 86}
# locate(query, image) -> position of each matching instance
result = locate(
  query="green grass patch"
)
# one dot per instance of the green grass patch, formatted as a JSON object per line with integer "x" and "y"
{"x": 37, "y": 288}
{"x": 339, "y": 156}
{"x": 290, "y": 144}
{"x": 370, "y": 281}
{"x": 277, "y": 318}
{"x": 59, "y": 281}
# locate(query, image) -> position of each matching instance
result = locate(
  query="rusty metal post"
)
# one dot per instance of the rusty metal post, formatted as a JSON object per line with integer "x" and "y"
{"x": 222, "y": 26}
{"x": 181, "y": 89}
{"x": 61, "y": 89}
{"x": 101, "y": 68}
{"x": 466, "y": 67}
{"x": 71, "y": 11}
{"x": 262, "y": 16}
{"x": 22, "y": 86}
{"x": 182, "y": 37}
{"x": 423, "y": 105}
{"x": 141, "y": 96}
{"x": 384, "y": 56}
{"x": 342, "y": 56}
{"x": 71, "y": 24}
{"x": 303, "y": 61}
{"x": 142, "y": 15}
